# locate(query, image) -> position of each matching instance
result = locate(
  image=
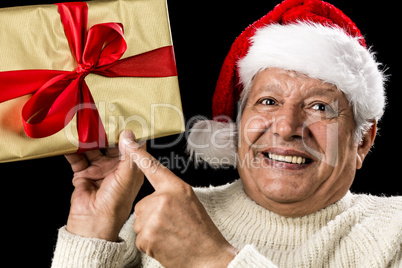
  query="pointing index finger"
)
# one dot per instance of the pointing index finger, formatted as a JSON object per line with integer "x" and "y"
{"x": 157, "y": 174}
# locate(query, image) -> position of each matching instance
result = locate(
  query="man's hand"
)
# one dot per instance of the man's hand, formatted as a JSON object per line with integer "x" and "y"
{"x": 172, "y": 225}
{"x": 105, "y": 189}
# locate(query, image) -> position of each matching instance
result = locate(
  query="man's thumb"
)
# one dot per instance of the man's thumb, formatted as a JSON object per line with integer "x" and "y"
{"x": 127, "y": 168}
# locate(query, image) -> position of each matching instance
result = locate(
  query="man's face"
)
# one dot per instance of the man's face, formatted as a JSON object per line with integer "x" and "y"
{"x": 296, "y": 148}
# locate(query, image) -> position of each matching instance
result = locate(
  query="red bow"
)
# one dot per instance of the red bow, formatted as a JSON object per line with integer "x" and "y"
{"x": 59, "y": 95}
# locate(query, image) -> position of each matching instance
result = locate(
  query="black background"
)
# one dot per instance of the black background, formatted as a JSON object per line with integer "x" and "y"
{"x": 35, "y": 194}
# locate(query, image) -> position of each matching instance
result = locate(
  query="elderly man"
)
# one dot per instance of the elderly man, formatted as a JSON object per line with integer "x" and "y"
{"x": 311, "y": 95}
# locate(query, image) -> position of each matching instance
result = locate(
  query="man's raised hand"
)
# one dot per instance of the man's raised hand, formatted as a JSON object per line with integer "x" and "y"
{"x": 105, "y": 189}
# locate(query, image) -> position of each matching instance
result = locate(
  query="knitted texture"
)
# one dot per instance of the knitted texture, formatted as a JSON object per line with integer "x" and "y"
{"x": 357, "y": 231}
{"x": 74, "y": 251}
{"x": 79, "y": 252}
{"x": 249, "y": 257}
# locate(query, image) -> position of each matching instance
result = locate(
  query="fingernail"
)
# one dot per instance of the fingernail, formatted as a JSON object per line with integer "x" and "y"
{"x": 129, "y": 137}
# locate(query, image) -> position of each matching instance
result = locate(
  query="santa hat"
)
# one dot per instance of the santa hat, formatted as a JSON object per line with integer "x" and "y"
{"x": 307, "y": 36}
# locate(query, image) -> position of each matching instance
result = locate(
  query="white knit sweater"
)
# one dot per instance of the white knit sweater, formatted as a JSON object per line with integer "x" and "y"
{"x": 357, "y": 231}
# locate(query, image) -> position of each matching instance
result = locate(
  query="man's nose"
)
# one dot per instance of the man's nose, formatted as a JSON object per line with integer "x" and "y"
{"x": 288, "y": 123}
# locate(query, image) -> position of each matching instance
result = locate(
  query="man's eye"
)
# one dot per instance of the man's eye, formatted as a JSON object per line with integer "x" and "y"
{"x": 320, "y": 107}
{"x": 268, "y": 102}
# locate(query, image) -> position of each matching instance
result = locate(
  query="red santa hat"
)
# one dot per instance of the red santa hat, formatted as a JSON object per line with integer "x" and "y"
{"x": 307, "y": 36}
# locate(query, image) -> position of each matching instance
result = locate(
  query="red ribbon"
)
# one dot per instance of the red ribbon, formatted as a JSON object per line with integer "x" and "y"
{"x": 59, "y": 95}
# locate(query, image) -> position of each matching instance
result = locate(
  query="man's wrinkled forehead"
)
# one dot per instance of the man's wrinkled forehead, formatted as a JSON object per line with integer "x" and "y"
{"x": 281, "y": 83}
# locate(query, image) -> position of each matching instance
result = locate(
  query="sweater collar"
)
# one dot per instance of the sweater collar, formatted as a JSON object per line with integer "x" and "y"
{"x": 237, "y": 209}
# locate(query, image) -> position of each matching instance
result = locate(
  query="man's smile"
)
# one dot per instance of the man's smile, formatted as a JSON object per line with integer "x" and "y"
{"x": 286, "y": 158}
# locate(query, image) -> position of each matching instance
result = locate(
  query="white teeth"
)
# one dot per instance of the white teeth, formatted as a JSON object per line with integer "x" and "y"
{"x": 288, "y": 158}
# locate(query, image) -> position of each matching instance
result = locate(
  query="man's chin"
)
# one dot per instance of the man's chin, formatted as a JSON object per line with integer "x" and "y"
{"x": 286, "y": 191}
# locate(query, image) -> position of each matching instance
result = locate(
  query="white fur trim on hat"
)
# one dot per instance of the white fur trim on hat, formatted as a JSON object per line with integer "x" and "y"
{"x": 213, "y": 142}
{"x": 322, "y": 52}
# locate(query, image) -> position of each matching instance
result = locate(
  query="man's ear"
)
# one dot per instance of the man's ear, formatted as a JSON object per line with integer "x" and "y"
{"x": 365, "y": 145}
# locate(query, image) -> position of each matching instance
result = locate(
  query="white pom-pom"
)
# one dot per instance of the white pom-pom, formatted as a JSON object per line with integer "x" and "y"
{"x": 213, "y": 142}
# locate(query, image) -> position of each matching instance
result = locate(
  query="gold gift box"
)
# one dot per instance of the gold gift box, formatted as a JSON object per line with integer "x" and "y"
{"x": 33, "y": 37}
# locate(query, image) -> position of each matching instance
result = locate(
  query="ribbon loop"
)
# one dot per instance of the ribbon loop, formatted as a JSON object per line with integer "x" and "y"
{"x": 105, "y": 44}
